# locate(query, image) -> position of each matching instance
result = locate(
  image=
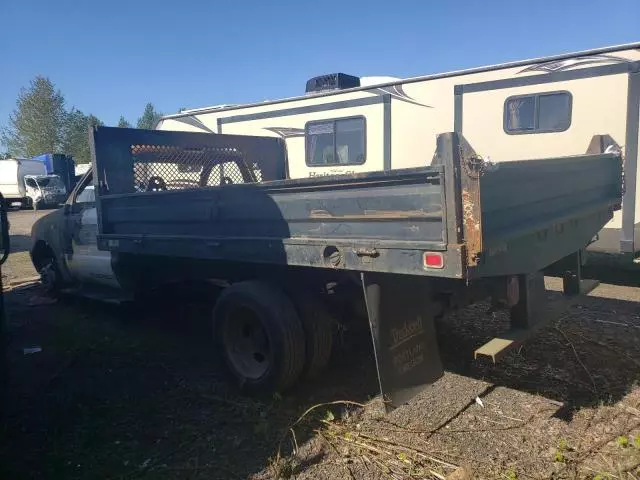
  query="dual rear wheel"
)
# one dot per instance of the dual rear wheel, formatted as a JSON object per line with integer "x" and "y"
{"x": 267, "y": 340}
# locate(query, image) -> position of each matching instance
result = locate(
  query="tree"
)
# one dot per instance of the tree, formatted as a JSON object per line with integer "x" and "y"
{"x": 122, "y": 123}
{"x": 37, "y": 123}
{"x": 76, "y": 138}
{"x": 149, "y": 117}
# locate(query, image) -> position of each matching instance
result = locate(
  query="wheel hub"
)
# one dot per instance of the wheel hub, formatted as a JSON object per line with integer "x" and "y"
{"x": 246, "y": 343}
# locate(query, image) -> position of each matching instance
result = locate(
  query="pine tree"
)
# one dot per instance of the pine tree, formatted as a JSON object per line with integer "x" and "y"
{"x": 122, "y": 123}
{"x": 149, "y": 117}
{"x": 76, "y": 138}
{"x": 37, "y": 123}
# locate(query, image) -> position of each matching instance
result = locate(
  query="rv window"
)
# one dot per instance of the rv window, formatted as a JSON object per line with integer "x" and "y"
{"x": 225, "y": 173}
{"x": 538, "y": 113}
{"x": 554, "y": 112}
{"x": 335, "y": 142}
{"x": 30, "y": 182}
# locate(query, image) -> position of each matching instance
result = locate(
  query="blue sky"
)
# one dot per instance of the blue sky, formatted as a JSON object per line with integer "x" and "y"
{"x": 111, "y": 57}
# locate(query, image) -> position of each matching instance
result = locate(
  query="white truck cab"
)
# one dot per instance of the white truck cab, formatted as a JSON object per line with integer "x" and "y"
{"x": 64, "y": 249}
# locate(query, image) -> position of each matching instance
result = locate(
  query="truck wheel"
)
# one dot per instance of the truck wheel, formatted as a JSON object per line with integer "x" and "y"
{"x": 317, "y": 324}
{"x": 45, "y": 263}
{"x": 260, "y": 336}
{"x": 50, "y": 278}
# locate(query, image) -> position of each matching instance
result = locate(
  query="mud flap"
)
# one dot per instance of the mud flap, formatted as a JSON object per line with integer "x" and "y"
{"x": 401, "y": 317}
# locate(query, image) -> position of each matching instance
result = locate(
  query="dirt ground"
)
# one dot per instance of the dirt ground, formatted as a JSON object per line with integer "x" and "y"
{"x": 133, "y": 392}
{"x": 18, "y": 267}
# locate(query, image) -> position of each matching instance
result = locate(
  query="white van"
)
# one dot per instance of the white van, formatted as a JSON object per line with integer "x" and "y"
{"x": 12, "y": 181}
{"x": 27, "y": 182}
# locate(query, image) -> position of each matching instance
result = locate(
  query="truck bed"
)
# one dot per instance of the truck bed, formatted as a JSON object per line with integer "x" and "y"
{"x": 482, "y": 219}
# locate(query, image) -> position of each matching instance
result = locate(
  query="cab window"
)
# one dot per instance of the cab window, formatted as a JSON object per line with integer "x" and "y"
{"x": 86, "y": 195}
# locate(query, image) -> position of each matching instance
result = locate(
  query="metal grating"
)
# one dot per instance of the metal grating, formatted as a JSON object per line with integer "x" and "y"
{"x": 169, "y": 167}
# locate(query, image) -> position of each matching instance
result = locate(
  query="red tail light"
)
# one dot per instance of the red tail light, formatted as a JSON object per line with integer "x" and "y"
{"x": 433, "y": 260}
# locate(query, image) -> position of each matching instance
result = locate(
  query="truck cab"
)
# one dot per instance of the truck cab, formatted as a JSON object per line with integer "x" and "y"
{"x": 44, "y": 190}
{"x": 64, "y": 243}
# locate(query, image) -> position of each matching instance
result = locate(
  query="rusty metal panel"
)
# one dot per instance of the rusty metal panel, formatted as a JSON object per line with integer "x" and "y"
{"x": 463, "y": 168}
{"x": 472, "y": 168}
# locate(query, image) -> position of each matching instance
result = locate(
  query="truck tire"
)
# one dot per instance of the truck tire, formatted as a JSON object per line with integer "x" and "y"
{"x": 45, "y": 263}
{"x": 317, "y": 323}
{"x": 260, "y": 337}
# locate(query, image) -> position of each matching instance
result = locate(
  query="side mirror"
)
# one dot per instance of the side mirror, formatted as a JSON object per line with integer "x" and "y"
{"x": 66, "y": 209}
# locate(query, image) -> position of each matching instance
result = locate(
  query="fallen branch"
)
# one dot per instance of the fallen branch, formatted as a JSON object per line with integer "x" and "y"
{"x": 575, "y": 353}
{"x": 396, "y": 459}
{"x": 419, "y": 451}
{"x": 278, "y": 455}
{"x": 610, "y": 348}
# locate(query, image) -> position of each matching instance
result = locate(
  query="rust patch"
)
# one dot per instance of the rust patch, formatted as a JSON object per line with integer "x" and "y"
{"x": 471, "y": 225}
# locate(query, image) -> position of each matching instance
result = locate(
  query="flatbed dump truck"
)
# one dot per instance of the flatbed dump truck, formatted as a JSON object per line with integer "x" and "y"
{"x": 414, "y": 243}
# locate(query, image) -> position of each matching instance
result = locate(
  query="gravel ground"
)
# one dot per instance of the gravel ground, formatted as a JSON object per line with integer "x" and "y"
{"x": 138, "y": 393}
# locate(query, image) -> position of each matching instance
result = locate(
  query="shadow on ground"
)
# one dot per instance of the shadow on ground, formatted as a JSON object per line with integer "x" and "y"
{"x": 138, "y": 392}
{"x": 587, "y": 357}
{"x": 132, "y": 393}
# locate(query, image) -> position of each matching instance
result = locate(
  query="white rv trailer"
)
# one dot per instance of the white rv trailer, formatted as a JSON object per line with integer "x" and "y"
{"x": 528, "y": 109}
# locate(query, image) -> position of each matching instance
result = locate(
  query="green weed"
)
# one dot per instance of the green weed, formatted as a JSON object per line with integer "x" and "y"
{"x": 622, "y": 441}
{"x": 511, "y": 475}
{"x": 560, "y": 456}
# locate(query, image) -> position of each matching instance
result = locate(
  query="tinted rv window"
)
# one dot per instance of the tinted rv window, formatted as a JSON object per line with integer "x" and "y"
{"x": 538, "y": 113}
{"x": 335, "y": 142}
{"x": 554, "y": 112}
